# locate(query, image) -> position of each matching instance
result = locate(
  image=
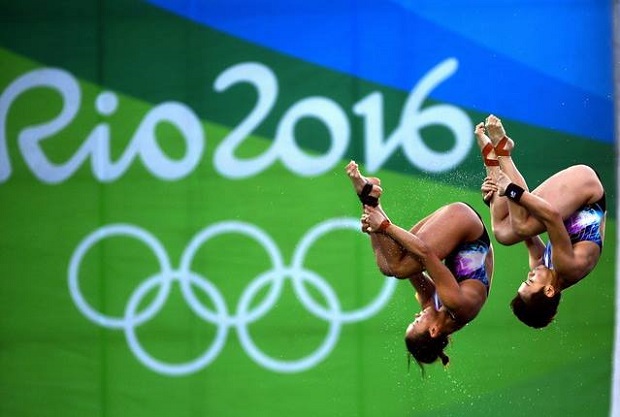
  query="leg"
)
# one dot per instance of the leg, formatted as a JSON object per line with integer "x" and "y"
{"x": 500, "y": 207}
{"x": 507, "y": 216}
{"x": 392, "y": 259}
{"x": 359, "y": 181}
{"x": 567, "y": 190}
{"x": 571, "y": 188}
{"x": 442, "y": 231}
{"x": 388, "y": 253}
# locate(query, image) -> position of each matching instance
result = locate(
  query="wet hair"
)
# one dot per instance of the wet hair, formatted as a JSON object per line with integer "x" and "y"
{"x": 539, "y": 311}
{"x": 426, "y": 349}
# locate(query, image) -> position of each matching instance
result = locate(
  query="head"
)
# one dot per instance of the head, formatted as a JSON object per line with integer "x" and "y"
{"x": 425, "y": 339}
{"x": 538, "y": 297}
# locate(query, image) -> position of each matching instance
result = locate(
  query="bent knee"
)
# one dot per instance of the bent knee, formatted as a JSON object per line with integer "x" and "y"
{"x": 506, "y": 237}
{"x": 399, "y": 271}
{"x": 523, "y": 230}
{"x": 586, "y": 173}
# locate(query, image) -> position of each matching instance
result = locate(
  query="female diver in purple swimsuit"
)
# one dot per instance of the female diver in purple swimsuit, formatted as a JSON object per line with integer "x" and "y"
{"x": 447, "y": 257}
{"x": 569, "y": 206}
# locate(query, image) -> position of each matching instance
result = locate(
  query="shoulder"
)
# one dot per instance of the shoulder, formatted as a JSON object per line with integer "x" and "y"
{"x": 474, "y": 295}
{"x": 586, "y": 255}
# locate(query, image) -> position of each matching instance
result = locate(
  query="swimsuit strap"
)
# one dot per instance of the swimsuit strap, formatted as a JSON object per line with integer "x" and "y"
{"x": 436, "y": 301}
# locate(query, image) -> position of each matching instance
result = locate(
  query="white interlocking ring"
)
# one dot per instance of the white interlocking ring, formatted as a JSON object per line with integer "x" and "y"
{"x": 220, "y": 315}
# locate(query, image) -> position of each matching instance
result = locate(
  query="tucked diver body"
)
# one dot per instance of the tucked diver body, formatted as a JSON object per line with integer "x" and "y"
{"x": 447, "y": 256}
{"x": 570, "y": 206}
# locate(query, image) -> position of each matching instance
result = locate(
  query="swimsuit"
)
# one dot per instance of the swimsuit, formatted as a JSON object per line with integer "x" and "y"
{"x": 468, "y": 261}
{"x": 583, "y": 225}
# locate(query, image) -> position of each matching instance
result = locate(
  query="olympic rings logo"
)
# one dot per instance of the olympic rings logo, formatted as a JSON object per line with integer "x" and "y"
{"x": 220, "y": 316}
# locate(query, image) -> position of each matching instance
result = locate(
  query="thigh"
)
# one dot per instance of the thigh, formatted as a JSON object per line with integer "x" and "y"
{"x": 448, "y": 227}
{"x": 570, "y": 189}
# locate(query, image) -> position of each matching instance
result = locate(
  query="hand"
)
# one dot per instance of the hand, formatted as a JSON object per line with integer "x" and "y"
{"x": 488, "y": 188}
{"x": 372, "y": 219}
{"x": 366, "y": 228}
{"x": 495, "y": 128}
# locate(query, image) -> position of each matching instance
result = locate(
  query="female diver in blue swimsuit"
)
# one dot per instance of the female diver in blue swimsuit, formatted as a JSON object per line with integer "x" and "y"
{"x": 447, "y": 257}
{"x": 569, "y": 206}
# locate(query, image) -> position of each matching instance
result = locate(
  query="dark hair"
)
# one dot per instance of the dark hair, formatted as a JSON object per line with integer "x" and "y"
{"x": 539, "y": 311}
{"x": 426, "y": 349}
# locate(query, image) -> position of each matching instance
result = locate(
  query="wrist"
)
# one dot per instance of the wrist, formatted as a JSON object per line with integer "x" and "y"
{"x": 384, "y": 225}
{"x": 514, "y": 192}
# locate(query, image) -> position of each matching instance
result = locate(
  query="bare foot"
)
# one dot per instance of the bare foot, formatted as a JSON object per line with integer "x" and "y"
{"x": 504, "y": 147}
{"x": 502, "y": 143}
{"x": 495, "y": 128}
{"x": 486, "y": 146}
{"x": 481, "y": 137}
{"x": 359, "y": 181}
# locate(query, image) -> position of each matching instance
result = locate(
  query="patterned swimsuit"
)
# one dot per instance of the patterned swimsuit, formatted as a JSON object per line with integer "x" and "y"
{"x": 468, "y": 261}
{"x": 582, "y": 225}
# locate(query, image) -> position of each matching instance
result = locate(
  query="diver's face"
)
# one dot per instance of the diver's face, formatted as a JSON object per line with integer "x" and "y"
{"x": 537, "y": 279}
{"x": 422, "y": 321}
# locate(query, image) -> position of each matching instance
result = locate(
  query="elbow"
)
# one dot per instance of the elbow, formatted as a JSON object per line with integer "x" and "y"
{"x": 548, "y": 213}
{"x": 424, "y": 253}
{"x": 551, "y": 215}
